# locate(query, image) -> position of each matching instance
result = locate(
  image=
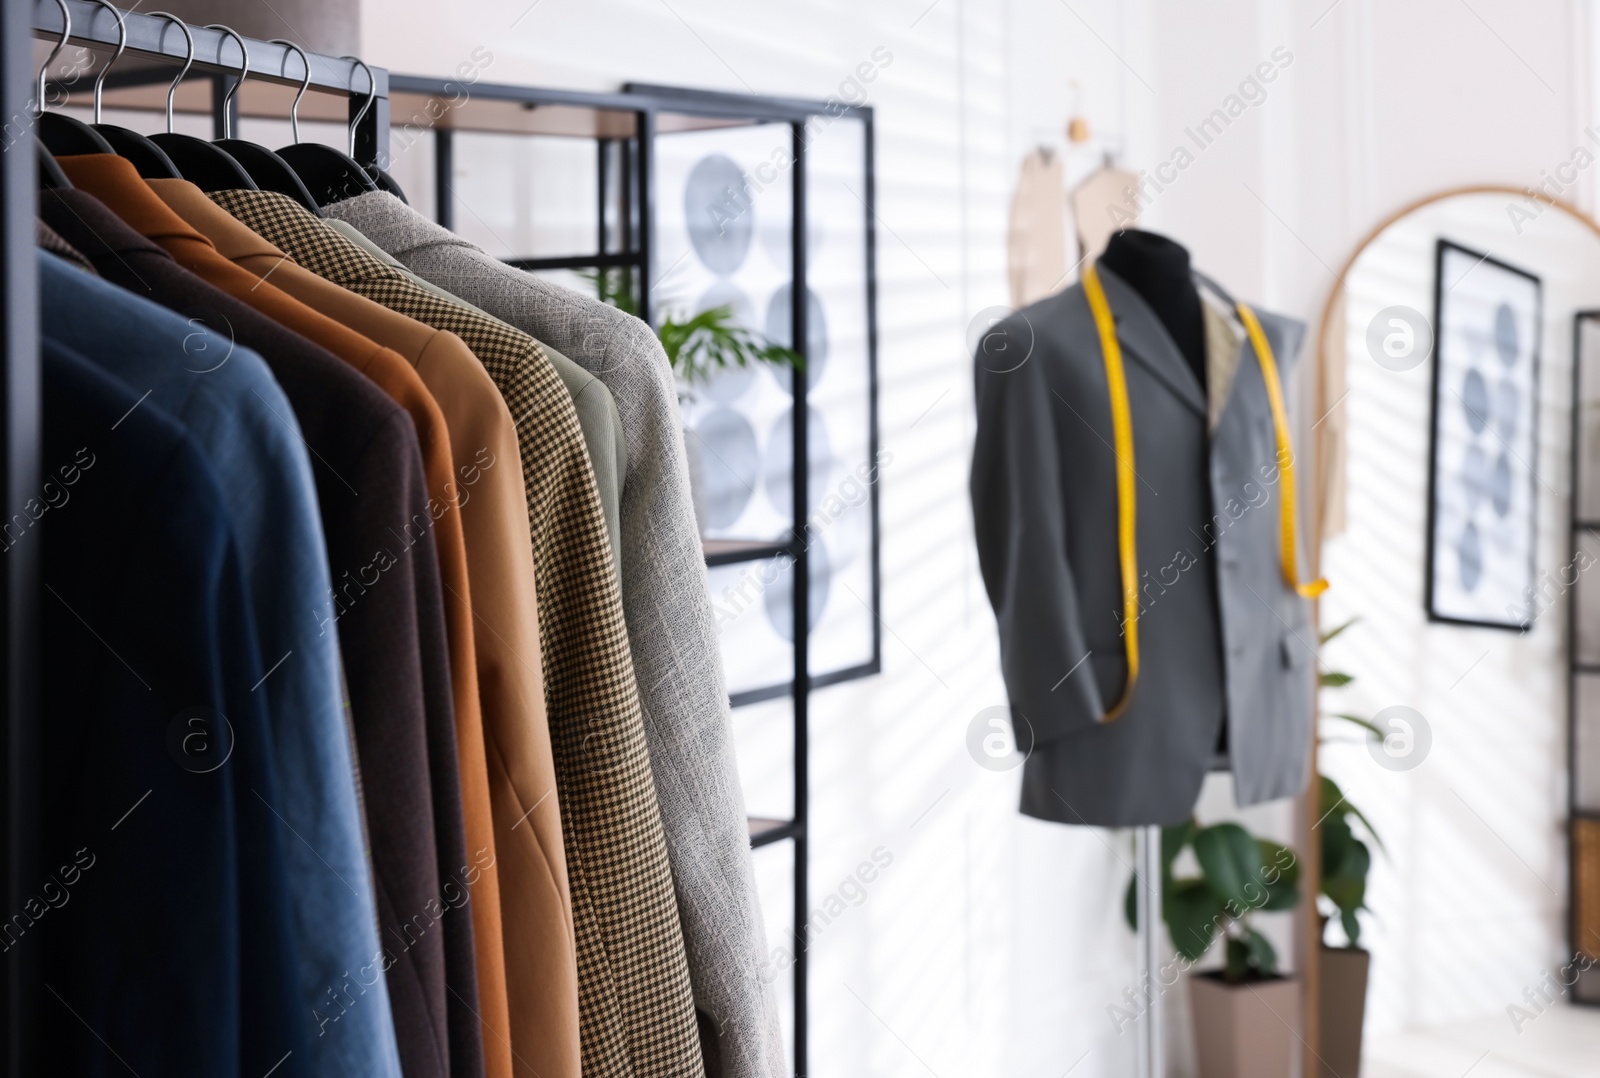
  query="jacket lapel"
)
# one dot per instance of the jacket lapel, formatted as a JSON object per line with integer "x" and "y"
{"x": 1146, "y": 340}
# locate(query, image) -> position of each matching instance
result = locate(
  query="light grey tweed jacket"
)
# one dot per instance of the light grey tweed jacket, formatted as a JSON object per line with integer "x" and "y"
{"x": 670, "y": 627}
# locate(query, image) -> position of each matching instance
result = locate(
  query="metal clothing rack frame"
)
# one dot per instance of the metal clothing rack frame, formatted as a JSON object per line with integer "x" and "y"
{"x": 155, "y": 49}
{"x": 1583, "y": 820}
{"x": 625, "y": 127}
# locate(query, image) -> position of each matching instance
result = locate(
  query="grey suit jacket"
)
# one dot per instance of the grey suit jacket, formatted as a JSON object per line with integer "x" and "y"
{"x": 1222, "y": 637}
{"x": 673, "y": 636}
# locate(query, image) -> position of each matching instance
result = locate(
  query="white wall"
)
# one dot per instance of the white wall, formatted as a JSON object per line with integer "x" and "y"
{"x": 993, "y": 944}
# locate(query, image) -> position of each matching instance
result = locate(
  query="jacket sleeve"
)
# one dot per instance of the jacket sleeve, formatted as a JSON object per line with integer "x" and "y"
{"x": 1019, "y": 516}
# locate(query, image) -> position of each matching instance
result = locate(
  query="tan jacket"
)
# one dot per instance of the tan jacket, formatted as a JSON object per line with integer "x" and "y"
{"x": 441, "y": 360}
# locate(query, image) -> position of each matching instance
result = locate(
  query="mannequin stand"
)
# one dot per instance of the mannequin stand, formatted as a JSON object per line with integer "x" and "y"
{"x": 1147, "y": 871}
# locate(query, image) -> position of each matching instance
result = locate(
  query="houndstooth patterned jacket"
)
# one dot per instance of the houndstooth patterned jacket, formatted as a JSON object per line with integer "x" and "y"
{"x": 636, "y": 1010}
{"x": 675, "y": 649}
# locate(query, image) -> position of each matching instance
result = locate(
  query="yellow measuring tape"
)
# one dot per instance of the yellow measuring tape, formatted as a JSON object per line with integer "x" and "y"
{"x": 1127, "y": 493}
{"x": 1288, "y": 519}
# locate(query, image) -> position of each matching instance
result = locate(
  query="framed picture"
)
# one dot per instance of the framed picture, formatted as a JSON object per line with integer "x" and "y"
{"x": 1481, "y": 481}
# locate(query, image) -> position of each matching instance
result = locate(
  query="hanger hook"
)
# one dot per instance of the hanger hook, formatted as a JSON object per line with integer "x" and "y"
{"x": 294, "y": 109}
{"x": 187, "y": 60}
{"x": 66, "y": 33}
{"x": 244, "y": 73}
{"x": 372, "y": 95}
{"x": 122, "y": 43}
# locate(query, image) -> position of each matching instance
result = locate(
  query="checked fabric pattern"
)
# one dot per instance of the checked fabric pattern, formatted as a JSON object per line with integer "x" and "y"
{"x": 636, "y": 1010}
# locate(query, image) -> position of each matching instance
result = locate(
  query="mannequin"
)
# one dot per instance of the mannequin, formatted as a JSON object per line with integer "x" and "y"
{"x": 1158, "y": 269}
{"x": 1222, "y": 621}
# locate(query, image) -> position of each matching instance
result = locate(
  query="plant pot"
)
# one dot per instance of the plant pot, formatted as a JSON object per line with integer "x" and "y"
{"x": 1341, "y": 1009}
{"x": 1244, "y": 1030}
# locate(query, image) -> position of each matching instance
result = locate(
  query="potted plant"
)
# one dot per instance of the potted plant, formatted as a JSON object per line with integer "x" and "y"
{"x": 1243, "y": 1012}
{"x": 1346, "y": 860}
{"x": 701, "y": 346}
{"x": 698, "y": 348}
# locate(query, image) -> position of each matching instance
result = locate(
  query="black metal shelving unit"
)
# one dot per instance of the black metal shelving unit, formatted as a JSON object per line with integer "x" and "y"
{"x": 625, "y": 127}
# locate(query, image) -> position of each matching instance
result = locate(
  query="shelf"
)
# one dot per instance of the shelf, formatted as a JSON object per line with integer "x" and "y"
{"x": 594, "y": 261}
{"x": 734, "y": 551}
{"x": 786, "y": 688}
{"x": 764, "y": 832}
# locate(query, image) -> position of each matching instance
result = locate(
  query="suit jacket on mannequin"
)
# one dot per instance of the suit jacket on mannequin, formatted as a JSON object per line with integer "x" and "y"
{"x": 1044, "y": 500}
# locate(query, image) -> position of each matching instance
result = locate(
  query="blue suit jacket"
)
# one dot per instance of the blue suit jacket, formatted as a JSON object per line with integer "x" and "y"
{"x": 162, "y": 926}
{"x": 226, "y": 398}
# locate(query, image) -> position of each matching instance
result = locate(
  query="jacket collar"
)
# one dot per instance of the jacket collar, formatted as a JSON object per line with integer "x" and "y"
{"x": 114, "y": 181}
{"x": 393, "y": 225}
{"x": 232, "y": 237}
{"x": 1144, "y": 338}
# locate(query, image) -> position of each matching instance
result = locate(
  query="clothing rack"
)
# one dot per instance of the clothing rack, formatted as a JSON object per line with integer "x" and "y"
{"x": 216, "y": 57}
{"x": 626, "y": 192}
{"x": 626, "y": 127}
{"x": 157, "y": 42}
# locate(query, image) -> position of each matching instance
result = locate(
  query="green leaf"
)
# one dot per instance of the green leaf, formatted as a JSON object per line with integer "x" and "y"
{"x": 1331, "y": 633}
{"x": 1352, "y": 926}
{"x": 1194, "y": 914}
{"x": 1281, "y": 874}
{"x": 711, "y": 341}
{"x": 1284, "y": 896}
{"x": 1174, "y": 838}
{"x": 1346, "y": 884}
{"x": 1332, "y": 797}
{"x": 1337, "y": 840}
{"x": 1333, "y": 679}
{"x": 1372, "y": 831}
{"x": 1334, "y": 805}
{"x": 1230, "y": 862}
{"x": 1279, "y": 865}
{"x": 1366, "y": 724}
{"x": 1263, "y": 959}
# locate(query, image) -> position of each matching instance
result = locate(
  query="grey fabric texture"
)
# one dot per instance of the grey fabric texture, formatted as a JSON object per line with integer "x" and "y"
{"x": 1222, "y": 637}
{"x": 670, "y": 627}
{"x": 596, "y": 408}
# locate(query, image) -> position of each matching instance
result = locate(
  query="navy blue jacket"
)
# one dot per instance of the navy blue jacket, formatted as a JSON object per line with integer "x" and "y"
{"x": 162, "y": 923}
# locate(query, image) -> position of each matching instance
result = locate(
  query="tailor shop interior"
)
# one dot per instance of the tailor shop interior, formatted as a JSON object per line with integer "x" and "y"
{"x": 943, "y": 537}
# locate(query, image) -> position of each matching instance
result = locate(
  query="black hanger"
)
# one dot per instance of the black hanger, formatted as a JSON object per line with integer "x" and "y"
{"x": 50, "y": 175}
{"x": 380, "y": 177}
{"x": 267, "y": 169}
{"x": 150, "y": 160}
{"x": 329, "y": 175}
{"x": 201, "y": 163}
{"x": 64, "y": 134}
{"x": 387, "y": 183}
